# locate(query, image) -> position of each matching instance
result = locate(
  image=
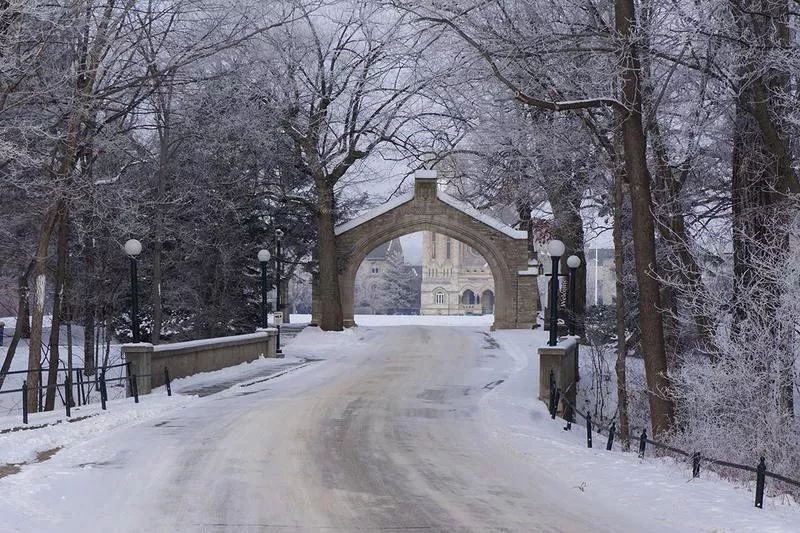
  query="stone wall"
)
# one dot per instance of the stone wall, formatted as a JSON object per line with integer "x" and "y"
{"x": 187, "y": 358}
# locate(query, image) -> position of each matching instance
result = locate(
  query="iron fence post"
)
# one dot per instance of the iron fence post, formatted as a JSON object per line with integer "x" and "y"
{"x": 611, "y": 431}
{"x": 67, "y": 395}
{"x": 696, "y": 464}
{"x": 77, "y": 379}
{"x": 25, "y": 402}
{"x": 135, "y": 388}
{"x": 103, "y": 389}
{"x": 129, "y": 391}
{"x": 761, "y": 479}
{"x": 81, "y": 389}
{"x": 41, "y": 403}
{"x": 166, "y": 381}
{"x": 588, "y": 429}
{"x": 556, "y": 398}
{"x": 642, "y": 443}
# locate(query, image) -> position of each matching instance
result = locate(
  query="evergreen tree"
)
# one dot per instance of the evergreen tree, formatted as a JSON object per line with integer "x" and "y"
{"x": 395, "y": 285}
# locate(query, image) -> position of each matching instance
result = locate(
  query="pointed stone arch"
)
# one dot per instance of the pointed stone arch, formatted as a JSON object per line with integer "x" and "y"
{"x": 428, "y": 209}
{"x": 468, "y": 296}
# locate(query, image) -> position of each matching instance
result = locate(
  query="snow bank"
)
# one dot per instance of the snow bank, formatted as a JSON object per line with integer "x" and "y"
{"x": 658, "y": 491}
{"x": 23, "y": 445}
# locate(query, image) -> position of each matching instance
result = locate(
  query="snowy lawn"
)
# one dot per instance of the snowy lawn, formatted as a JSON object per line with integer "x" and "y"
{"x": 660, "y": 490}
{"x": 46, "y": 432}
{"x": 49, "y": 431}
{"x": 11, "y": 404}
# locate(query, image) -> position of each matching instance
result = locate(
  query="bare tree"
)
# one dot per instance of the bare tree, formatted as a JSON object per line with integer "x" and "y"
{"x": 629, "y": 104}
{"x": 350, "y": 79}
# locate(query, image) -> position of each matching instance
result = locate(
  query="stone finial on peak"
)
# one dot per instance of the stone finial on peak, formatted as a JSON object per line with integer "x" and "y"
{"x": 425, "y": 175}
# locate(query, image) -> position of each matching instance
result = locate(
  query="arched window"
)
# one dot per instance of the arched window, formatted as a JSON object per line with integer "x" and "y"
{"x": 439, "y": 297}
{"x": 468, "y": 298}
{"x": 487, "y": 302}
{"x": 374, "y": 269}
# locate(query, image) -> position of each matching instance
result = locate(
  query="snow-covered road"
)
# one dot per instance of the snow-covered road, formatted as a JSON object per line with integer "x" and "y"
{"x": 384, "y": 437}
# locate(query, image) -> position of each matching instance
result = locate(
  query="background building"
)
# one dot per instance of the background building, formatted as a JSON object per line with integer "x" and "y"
{"x": 456, "y": 280}
{"x": 601, "y": 288}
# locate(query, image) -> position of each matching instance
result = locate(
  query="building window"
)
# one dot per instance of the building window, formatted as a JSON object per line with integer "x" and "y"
{"x": 374, "y": 269}
{"x": 449, "y": 245}
{"x": 439, "y": 297}
{"x": 433, "y": 245}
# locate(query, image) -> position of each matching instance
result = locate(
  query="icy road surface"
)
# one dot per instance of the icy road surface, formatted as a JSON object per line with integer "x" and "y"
{"x": 384, "y": 435}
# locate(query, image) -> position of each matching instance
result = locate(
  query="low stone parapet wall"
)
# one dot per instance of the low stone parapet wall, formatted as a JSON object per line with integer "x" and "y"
{"x": 183, "y": 359}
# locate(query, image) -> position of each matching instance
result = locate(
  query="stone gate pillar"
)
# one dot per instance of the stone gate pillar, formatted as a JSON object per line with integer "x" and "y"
{"x": 527, "y": 297}
{"x": 315, "y": 303}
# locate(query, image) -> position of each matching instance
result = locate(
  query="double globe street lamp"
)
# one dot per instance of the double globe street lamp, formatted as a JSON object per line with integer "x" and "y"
{"x": 278, "y": 305}
{"x": 573, "y": 262}
{"x": 263, "y": 258}
{"x": 555, "y": 249}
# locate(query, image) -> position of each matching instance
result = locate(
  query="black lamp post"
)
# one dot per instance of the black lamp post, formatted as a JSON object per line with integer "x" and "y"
{"x": 278, "y": 304}
{"x": 573, "y": 262}
{"x": 133, "y": 248}
{"x": 263, "y": 258}
{"x": 556, "y": 249}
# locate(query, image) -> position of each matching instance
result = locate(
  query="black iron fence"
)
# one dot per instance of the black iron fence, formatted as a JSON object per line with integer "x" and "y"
{"x": 696, "y": 458}
{"x": 76, "y": 386}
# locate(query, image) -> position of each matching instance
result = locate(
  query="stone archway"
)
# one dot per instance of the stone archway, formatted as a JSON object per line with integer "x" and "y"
{"x": 427, "y": 208}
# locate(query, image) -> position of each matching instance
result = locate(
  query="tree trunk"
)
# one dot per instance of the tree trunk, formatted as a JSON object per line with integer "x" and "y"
{"x": 69, "y": 358}
{"x": 565, "y": 200}
{"x": 24, "y": 314}
{"x": 155, "y": 289}
{"x": 330, "y": 299}
{"x": 58, "y": 298}
{"x": 285, "y": 298}
{"x": 622, "y": 345}
{"x": 652, "y": 326}
{"x": 37, "y": 315}
{"x": 158, "y": 238}
{"x": 89, "y": 358}
{"x": 22, "y": 311}
{"x": 672, "y": 228}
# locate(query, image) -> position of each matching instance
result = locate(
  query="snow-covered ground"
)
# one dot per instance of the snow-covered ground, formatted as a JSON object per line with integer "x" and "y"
{"x": 47, "y": 431}
{"x": 657, "y": 489}
{"x": 410, "y": 320}
{"x": 659, "y": 492}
